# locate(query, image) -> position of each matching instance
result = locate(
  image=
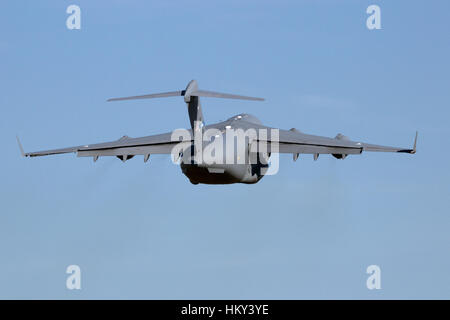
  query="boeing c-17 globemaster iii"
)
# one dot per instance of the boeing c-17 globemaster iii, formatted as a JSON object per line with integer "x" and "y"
{"x": 285, "y": 141}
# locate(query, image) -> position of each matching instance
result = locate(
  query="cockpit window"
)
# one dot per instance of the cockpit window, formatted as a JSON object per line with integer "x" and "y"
{"x": 246, "y": 117}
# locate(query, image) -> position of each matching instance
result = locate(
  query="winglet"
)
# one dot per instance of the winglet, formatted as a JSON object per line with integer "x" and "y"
{"x": 415, "y": 143}
{"x": 20, "y": 147}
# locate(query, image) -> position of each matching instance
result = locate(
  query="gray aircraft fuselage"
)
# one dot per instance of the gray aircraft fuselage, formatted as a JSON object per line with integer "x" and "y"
{"x": 225, "y": 173}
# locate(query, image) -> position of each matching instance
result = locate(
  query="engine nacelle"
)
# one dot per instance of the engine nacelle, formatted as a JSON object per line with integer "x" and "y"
{"x": 339, "y": 156}
{"x": 125, "y": 157}
{"x": 340, "y": 136}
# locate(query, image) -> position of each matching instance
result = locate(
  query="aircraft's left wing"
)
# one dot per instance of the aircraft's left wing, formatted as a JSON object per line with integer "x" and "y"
{"x": 124, "y": 148}
{"x": 296, "y": 142}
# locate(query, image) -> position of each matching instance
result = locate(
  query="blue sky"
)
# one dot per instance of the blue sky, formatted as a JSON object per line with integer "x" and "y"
{"x": 143, "y": 231}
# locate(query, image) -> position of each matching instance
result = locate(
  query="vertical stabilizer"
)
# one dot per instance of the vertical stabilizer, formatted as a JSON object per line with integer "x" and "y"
{"x": 193, "y": 104}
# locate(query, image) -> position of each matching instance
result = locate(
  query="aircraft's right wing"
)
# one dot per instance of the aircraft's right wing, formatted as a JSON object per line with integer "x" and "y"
{"x": 124, "y": 148}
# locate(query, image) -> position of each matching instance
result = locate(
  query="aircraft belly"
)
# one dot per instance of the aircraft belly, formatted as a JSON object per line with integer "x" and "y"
{"x": 217, "y": 174}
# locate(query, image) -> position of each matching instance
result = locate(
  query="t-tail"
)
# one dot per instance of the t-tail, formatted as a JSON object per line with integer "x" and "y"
{"x": 192, "y": 98}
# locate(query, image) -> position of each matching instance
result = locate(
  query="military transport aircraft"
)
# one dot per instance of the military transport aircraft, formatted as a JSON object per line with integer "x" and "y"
{"x": 286, "y": 141}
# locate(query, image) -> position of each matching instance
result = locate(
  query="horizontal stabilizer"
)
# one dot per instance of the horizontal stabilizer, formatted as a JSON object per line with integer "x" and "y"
{"x": 212, "y": 94}
{"x": 191, "y": 90}
{"x": 150, "y": 96}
